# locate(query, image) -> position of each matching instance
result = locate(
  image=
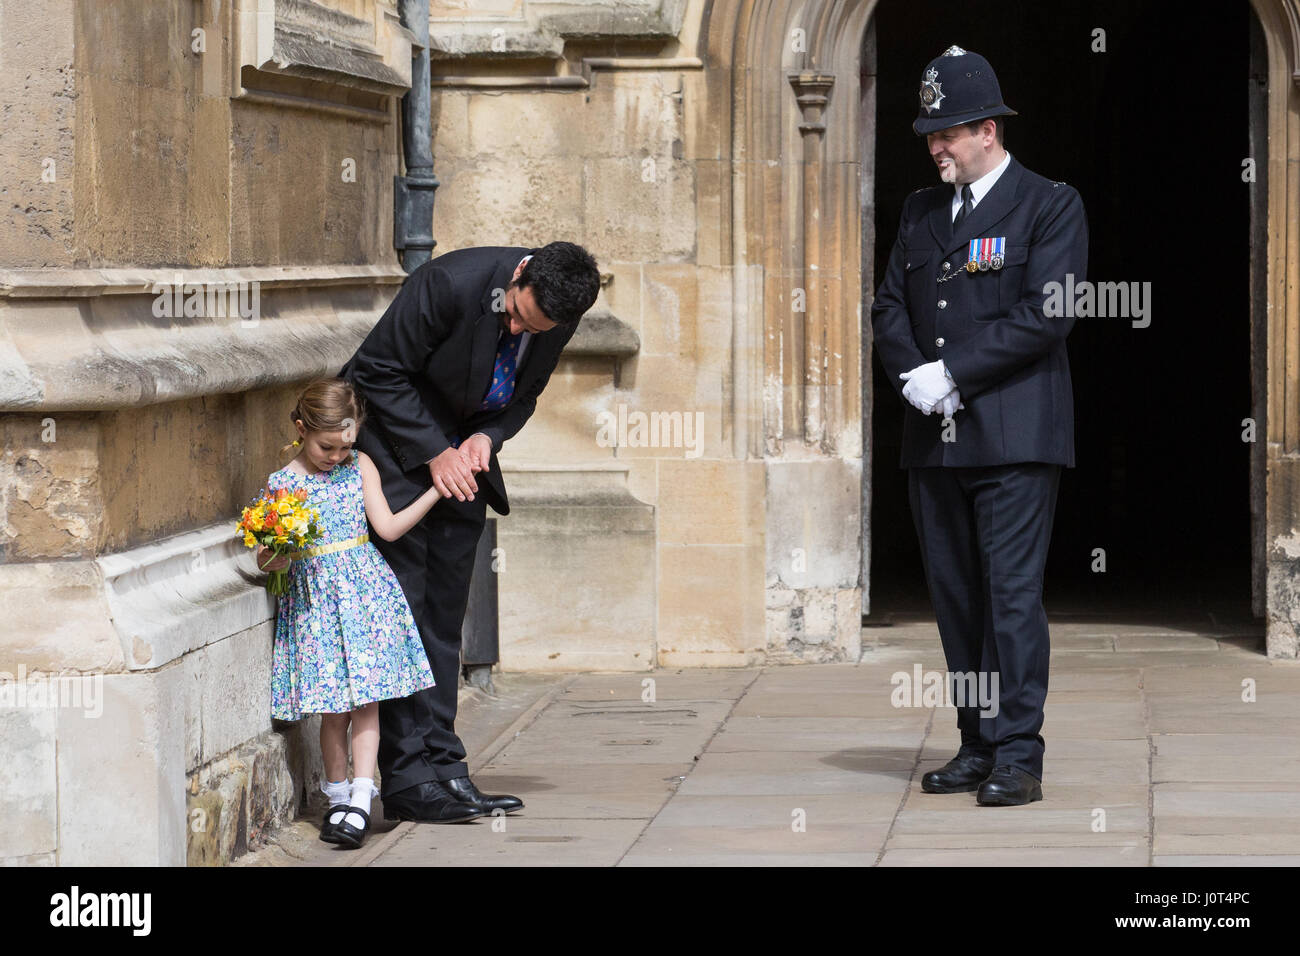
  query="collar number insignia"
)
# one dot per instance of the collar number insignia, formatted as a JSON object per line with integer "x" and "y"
{"x": 931, "y": 94}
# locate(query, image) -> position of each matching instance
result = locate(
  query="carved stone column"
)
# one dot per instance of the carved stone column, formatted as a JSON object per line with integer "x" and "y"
{"x": 812, "y": 92}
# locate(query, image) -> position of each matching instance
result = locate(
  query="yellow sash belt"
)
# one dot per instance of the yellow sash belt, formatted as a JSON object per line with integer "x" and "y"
{"x": 331, "y": 548}
{"x": 326, "y": 549}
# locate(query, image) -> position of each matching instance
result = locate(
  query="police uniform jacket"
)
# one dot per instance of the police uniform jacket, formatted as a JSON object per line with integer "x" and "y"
{"x": 1007, "y": 357}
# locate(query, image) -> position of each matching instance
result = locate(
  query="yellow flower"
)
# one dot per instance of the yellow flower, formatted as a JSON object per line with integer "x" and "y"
{"x": 249, "y": 540}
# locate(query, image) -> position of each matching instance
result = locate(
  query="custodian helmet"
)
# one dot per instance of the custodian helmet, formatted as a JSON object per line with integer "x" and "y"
{"x": 958, "y": 87}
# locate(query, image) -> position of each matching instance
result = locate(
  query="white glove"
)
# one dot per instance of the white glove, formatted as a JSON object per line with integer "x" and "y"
{"x": 951, "y": 402}
{"x": 927, "y": 385}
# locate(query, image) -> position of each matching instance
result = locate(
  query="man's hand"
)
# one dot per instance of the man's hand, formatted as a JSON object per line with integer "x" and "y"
{"x": 453, "y": 476}
{"x": 926, "y": 385}
{"x": 479, "y": 449}
{"x": 951, "y": 402}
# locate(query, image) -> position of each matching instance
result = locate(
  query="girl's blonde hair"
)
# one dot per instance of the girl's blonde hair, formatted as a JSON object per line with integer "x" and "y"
{"x": 328, "y": 405}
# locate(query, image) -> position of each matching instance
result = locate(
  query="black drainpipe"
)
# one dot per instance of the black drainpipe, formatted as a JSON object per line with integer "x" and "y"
{"x": 413, "y": 235}
{"x": 413, "y": 193}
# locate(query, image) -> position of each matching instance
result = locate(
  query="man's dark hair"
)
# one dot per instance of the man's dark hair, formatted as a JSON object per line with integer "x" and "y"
{"x": 974, "y": 126}
{"x": 564, "y": 279}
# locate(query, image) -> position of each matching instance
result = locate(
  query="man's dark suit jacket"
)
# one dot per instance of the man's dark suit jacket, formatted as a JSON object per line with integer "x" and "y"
{"x": 424, "y": 368}
{"x": 1007, "y": 358}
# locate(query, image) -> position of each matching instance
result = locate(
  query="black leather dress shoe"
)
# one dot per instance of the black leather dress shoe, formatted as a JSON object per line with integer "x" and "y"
{"x": 428, "y": 802}
{"x": 471, "y": 796}
{"x": 1009, "y": 786}
{"x": 962, "y": 774}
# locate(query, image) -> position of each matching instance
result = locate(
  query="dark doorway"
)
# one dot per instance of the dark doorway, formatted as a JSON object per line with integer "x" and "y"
{"x": 1152, "y": 132}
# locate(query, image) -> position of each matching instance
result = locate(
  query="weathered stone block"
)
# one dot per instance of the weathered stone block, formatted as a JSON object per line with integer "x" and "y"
{"x": 710, "y": 605}
{"x": 711, "y": 502}
{"x": 564, "y": 426}
{"x": 598, "y": 613}
{"x": 236, "y": 701}
{"x": 28, "y": 799}
{"x": 133, "y": 751}
{"x": 53, "y": 492}
{"x": 493, "y": 200}
{"x": 634, "y": 210}
{"x": 813, "y": 522}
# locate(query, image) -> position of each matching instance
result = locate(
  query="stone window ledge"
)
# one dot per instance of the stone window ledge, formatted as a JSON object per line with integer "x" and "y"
{"x": 87, "y": 340}
{"x": 603, "y": 333}
{"x": 181, "y": 593}
{"x": 544, "y": 25}
{"x": 297, "y": 53}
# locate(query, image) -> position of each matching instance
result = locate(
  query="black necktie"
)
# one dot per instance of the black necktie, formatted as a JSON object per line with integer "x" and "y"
{"x": 967, "y": 204}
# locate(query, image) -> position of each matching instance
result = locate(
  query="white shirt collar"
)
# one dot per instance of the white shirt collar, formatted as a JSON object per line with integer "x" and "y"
{"x": 979, "y": 189}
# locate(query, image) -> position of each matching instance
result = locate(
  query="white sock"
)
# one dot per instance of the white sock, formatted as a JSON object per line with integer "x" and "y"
{"x": 336, "y": 793}
{"x": 363, "y": 788}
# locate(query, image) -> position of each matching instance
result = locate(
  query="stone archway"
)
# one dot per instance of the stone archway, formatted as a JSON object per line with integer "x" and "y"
{"x": 794, "y": 226}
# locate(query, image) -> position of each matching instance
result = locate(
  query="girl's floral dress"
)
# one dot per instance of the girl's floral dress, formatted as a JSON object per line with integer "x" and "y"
{"x": 344, "y": 634}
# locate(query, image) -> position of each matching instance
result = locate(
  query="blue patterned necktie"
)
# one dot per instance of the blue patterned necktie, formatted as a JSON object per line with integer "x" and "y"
{"x": 502, "y": 388}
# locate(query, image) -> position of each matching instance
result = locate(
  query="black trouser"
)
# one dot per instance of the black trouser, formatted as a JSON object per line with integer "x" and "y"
{"x": 984, "y": 534}
{"x": 433, "y": 563}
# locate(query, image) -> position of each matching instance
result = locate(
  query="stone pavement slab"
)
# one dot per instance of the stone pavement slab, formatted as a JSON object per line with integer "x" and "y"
{"x": 1152, "y": 759}
{"x": 515, "y": 840}
{"x": 1281, "y": 860}
{"x": 1131, "y": 855}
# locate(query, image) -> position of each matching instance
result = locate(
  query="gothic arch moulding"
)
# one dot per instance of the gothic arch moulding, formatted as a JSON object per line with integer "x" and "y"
{"x": 795, "y": 231}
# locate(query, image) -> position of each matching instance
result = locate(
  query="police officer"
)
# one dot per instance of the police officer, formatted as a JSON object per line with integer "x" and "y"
{"x": 960, "y": 328}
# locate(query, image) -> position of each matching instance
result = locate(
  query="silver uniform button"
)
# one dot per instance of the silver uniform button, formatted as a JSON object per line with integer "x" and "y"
{"x": 945, "y": 266}
{"x": 943, "y": 303}
{"x": 939, "y": 342}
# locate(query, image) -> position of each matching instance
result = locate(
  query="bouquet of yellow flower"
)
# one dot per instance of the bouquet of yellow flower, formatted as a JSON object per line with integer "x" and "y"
{"x": 282, "y": 522}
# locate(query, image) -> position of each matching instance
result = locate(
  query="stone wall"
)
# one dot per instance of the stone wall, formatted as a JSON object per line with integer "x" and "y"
{"x": 629, "y": 154}
{"x": 158, "y": 148}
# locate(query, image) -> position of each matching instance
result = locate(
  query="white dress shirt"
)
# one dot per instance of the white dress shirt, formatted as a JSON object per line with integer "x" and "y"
{"x": 979, "y": 189}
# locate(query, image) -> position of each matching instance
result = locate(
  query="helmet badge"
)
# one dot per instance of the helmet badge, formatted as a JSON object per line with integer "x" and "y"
{"x": 931, "y": 94}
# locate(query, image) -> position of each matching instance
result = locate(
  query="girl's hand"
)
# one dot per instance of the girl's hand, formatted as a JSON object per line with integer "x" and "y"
{"x": 264, "y": 556}
{"x": 479, "y": 448}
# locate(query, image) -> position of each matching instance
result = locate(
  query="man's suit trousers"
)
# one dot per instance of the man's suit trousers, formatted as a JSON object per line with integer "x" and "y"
{"x": 433, "y": 563}
{"x": 984, "y": 534}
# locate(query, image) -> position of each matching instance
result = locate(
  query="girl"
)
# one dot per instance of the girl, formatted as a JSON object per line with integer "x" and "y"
{"x": 345, "y": 637}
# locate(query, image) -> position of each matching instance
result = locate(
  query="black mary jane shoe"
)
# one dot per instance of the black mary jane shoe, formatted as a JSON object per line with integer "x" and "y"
{"x": 328, "y": 831}
{"x": 345, "y": 834}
